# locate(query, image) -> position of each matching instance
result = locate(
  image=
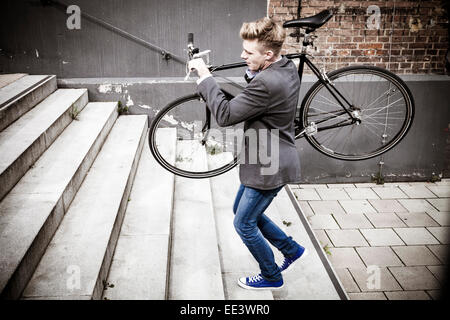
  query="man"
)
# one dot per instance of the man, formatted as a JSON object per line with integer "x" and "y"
{"x": 267, "y": 105}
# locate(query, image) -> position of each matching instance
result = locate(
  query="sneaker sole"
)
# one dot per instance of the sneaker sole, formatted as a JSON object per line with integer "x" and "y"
{"x": 244, "y": 286}
{"x": 305, "y": 253}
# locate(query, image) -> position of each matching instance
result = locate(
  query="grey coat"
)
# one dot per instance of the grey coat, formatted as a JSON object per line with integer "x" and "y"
{"x": 267, "y": 105}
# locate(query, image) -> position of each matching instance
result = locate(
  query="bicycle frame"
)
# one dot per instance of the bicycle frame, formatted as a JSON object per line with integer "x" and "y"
{"x": 321, "y": 76}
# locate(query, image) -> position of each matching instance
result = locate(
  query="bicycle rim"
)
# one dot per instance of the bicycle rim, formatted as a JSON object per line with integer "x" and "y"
{"x": 379, "y": 99}
{"x": 183, "y": 143}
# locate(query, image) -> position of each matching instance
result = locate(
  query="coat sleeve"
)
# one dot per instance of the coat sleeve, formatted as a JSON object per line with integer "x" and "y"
{"x": 250, "y": 103}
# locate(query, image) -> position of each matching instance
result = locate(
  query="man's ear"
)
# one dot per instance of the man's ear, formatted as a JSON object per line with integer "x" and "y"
{"x": 269, "y": 55}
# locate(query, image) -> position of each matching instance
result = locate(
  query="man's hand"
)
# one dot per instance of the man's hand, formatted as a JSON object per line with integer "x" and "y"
{"x": 199, "y": 66}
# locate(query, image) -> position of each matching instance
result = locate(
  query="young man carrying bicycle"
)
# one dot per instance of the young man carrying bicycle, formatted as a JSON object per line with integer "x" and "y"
{"x": 267, "y": 104}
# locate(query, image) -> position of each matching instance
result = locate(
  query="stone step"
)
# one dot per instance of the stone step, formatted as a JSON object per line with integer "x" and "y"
{"x": 312, "y": 277}
{"x": 195, "y": 271}
{"x": 20, "y": 96}
{"x": 139, "y": 268}
{"x": 23, "y": 142}
{"x": 236, "y": 260}
{"x": 77, "y": 260}
{"x": 32, "y": 211}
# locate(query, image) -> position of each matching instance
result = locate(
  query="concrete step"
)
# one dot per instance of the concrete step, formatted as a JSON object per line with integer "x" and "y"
{"x": 194, "y": 264}
{"x": 32, "y": 211}
{"x": 236, "y": 260}
{"x": 76, "y": 262}
{"x": 312, "y": 277}
{"x": 23, "y": 142}
{"x": 139, "y": 269}
{"x": 20, "y": 96}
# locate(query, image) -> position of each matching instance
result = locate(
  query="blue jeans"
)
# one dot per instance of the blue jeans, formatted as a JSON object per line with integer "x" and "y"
{"x": 254, "y": 227}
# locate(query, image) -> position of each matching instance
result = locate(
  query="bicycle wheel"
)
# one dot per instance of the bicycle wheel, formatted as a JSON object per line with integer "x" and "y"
{"x": 379, "y": 99}
{"x": 185, "y": 139}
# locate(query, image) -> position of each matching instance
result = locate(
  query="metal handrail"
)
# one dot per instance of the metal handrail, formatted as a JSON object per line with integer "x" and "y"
{"x": 167, "y": 55}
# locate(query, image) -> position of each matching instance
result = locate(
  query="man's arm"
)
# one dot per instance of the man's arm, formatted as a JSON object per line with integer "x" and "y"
{"x": 248, "y": 104}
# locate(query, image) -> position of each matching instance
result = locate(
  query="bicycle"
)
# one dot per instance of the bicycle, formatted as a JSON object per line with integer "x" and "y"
{"x": 352, "y": 113}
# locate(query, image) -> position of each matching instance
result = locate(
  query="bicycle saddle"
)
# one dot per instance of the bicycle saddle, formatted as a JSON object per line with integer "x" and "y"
{"x": 312, "y": 22}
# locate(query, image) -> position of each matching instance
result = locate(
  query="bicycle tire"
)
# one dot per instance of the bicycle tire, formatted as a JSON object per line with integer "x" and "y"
{"x": 366, "y": 80}
{"x": 181, "y": 120}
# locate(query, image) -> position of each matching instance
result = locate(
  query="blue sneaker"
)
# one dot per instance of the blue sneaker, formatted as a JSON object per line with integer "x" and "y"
{"x": 302, "y": 252}
{"x": 259, "y": 283}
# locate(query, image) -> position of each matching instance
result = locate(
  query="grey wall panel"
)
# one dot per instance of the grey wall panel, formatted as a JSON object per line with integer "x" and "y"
{"x": 34, "y": 39}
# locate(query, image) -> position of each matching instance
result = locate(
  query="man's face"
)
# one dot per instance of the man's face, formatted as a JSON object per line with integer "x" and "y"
{"x": 254, "y": 54}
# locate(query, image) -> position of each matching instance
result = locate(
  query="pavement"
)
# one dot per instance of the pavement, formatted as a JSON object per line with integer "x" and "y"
{"x": 387, "y": 241}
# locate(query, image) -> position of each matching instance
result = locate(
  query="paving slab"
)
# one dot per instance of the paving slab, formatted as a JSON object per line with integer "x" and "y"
{"x": 361, "y": 193}
{"x": 441, "y": 251}
{"x": 442, "y": 205}
{"x": 417, "y": 205}
{"x": 326, "y": 207}
{"x": 387, "y": 205}
{"x": 417, "y": 191}
{"x": 379, "y": 256}
{"x": 306, "y": 194}
{"x": 441, "y": 233}
{"x": 341, "y": 185}
{"x": 322, "y": 221}
{"x": 375, "y": 279}
{"x": 407, "y": 295}
{"x": 357, "y": 206}
{"x": 332, "y": 194}
{"x": 416, "y": 236}
{"x": 346, "y": 238}
{"x": 385, "y": 220}
{"x": 440, "y": 191}
{"x": 323, "y": 238}
{"x": 381, "y": 237}
{"x": 417, "y": 219}
{"x": 306, "y": 208}
{"x": 443, "y": 218}
{"x": 440, "y": 272}
{"x": 415, "y": 278}
{"x": 352, "y": 221}
{"x": 416, "y": 255}
{"x": 345, "y": 258}
{"x": 316, "y": 186}
{"x": 347, "y": 280}
{"x": 367, "y": 296}
{"x": 390, "y": 193}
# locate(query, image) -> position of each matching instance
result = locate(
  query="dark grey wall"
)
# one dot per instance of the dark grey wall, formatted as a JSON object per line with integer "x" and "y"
{"x": 35, "y": 39}
{"x": 417, "y": 157}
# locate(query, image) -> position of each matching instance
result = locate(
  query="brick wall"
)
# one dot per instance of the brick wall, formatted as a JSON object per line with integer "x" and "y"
{"x": 412, "y": 37}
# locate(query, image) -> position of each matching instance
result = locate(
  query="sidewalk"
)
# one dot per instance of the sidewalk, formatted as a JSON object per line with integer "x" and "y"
{"x": 384, "y": 241}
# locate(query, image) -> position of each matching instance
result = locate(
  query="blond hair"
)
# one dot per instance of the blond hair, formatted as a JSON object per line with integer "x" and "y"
{"x": 269, "y": 33}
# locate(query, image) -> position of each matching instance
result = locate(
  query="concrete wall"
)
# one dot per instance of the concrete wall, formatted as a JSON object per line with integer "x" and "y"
{"x": 35, "y": 39}
{"x": 419, "y": 156}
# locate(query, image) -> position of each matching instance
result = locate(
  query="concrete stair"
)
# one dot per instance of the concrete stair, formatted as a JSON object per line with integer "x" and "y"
{"x": 21, "y": 95}
{"x": 87, "y": 213}
{"x": 23, "y": 142}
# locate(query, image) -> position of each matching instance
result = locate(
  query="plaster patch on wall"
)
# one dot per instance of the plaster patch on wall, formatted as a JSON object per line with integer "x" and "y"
{"x": 108, "y": 87}
{"x": 129, "y": 101}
